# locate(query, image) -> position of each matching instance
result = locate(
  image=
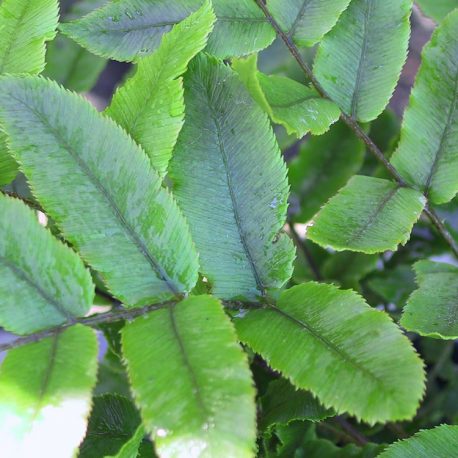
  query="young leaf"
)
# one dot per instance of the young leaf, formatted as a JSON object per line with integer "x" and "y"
{"x": 71, "y": 65}
{"x": 150, "y": 105}
{"x": 306, "y": 21}
{"x": 359, "y": 62}
{"x": 230, "y": 180}
{"x": 370, "y": 215}
{"x": 427, "y": 156}
{"x": 323, "y": 166}
{"x": 45, "y": 394}
{"x": 437, "y": 9}
{"x": 439, "y": 442}
{"x": 43, "y": 283}
{"x": 298, "y": 108}
{"x": 132, "y": 448}
{"x": 25, "y": 27}
{"x": 114, "y": 421}
{"x": 352, "y": 357}
{"x": 283, "y": 403}
{"x": 100, "y": 189}
{"x": 127, "y": 29}
{"x": 191, "y": 380}
{"x": 432, "y": 309}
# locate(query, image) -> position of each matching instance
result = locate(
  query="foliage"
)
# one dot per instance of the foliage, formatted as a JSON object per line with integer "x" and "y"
{"x": 252, "y": 260}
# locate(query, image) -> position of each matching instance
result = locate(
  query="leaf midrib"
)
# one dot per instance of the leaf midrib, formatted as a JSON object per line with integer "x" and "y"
{"x": 297, "y": 20}
{"x": 11, "y": 38}
{"x": 372, "y": 218}
{"x": 362, "y": 60}
{"x": 444, "y": 138}
{"x": 22, "y": 275}
{"x": 138, "y": 242}
{"x": 46, "y": 376}
{"x": 238, "y": 222}
{"x": 192, "y": 375}
{"x": 329, "y": 344}
{"x": 163, "y": 24}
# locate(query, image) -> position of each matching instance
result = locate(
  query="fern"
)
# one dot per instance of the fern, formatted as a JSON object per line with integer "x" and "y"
{"x": 124, "y": 213}
{"x": 164, "y": 228}
{"x": 42, "y": 282}
{"x": 432, "y": 309}
{"x": 352, "y": 357}
{"x": 438, "y": 442}
{"x": 296, "y": 107}
{"x": 150, "y": 105}
{"x": 358, "y": 62}
{"x": 427, "y": 155}
{"x": 307, "y": 21}
{"x": 224, "y": 134}
{"x": 192, "y": 383}
{"x": 369, "y": 215}
{"x": 42, "y": 386}
{"x": 129, "y": 29}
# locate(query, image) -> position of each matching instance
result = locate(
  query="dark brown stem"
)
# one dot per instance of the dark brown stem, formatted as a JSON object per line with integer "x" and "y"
{"x": 354, "y": 126}
{"x": 353, "y": 432}
{"x": 307, "y": 254}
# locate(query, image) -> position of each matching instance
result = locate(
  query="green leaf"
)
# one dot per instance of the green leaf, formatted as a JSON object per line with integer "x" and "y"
{"x": 369, "y": 215}
{"x": 114, "y": 421}
{"x": 306, "y": 21}
{"x": 83, "y": 7}
{"x": 191, "y": 380}
{"x": 427, "y": 156}
{"x": 131, "y": 448}
{"x": 352, "y": 357}
{"x": 358, "y": 63}
{"x": 298, "y": 108}
{"x": 8, "y": 166}
{"x": 323, "y": 166}
{"x": 150, "y": 105}
{"x": 43, "y": 283}
{"x": 110, "y": 204}
{"x": 72, "y": 66}
{"x": 45, "y": 394}
{"x": 437, "y": 9}
{"x": 432, "y": 309}
{"x": 127, "y": 29}
{"x": 439, "y": 442}
{"x": 25, "y": 27}
{"x": 230, "y": 181}
{"x": 348, "y": 267}
{"x": 282, "y": 404}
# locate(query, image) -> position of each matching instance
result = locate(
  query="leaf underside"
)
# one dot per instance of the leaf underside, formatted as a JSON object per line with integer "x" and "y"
{"x": 191, "y": 380}
{"x": 230, "y": 181}
{"x": 43, "y": 283}
{"x": 432, "y": 310}
{"x": 369, "y": 215}
{"x": 110, "y": 203}
{"x": 45, "y": 392}
{"x": 427, "y": 156}
{"x": 352, "y": 357}
{"x": 358, "y": 63}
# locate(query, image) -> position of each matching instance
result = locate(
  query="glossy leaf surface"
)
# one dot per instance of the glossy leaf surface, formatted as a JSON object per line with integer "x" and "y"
{"x": 230, "y": 182}
{"x": 126, "y": 226}
{"x": 191, "y": 380}
{"x": 353, "y": 357}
